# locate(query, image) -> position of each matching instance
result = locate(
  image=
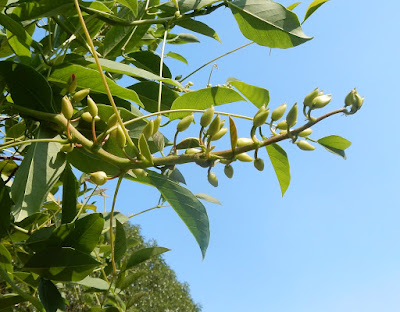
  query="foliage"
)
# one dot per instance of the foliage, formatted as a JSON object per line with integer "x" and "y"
{"x": 63, "y": 111}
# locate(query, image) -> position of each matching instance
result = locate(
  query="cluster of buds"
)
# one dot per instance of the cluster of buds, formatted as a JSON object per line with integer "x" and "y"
{"x": 354, "y": 101}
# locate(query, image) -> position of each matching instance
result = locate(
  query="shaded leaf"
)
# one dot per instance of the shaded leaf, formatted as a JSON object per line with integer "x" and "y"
{"x": 233, "y": 133}
{"x": 5, "y": 209}
{"x": 176, "y": 175}
{"x": 37, "y": 174}
{"x": 203, "y": 99}
{"x": 208, "y": 198}
{"x": 5, "y": 259}
{"x": 65, "y": 264}
{"x": 186, "y": 5}
{"x": 268, "y": 23}
{"x": 186, "y": 205}
{"x": 313, "y": 7}
{"x": 182, "y": 38}
{"x": 120, "y": 242}
{"x": 27, "y": 87}
{"x": 117, "y": 216}
{"x": 70, "y": 195}
{"x": 50, "y": 296}
{"x": 131, "y": 4}
{"x": 258, "y": 96}
{"x": 280, "y": 162}
{"x": 33, "y": 10}
{"x": 143, "y": 255}
{"x": 198, "y": 27}
{"x": 188, "y": 143}
{"x": 94, "y": 282}
{"x": 10, "y": 300}
{"x": 335, "y": 144}
{"x": 89, "y": 78}
{"x": 150, "y": 62}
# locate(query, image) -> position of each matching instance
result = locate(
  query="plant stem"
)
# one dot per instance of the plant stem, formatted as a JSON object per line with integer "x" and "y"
{"x": 7, "y": 145}
{"x": 217, "y": 58}
{"x": 161, "y": 69}
{"x": 111, "y": 225}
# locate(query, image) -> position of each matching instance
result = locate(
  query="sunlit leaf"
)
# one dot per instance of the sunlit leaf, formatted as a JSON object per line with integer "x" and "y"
{"x": 198, "y": 27}
{"x": 293, "y": 6}
{"x": 258, "y": 96}
{"x": 280, "y": 162}
{"x": 177, "y": 57}
{"x": 208, "y": 198}
{"x": 313, "y": 7}
{"x": 335, "y": 144}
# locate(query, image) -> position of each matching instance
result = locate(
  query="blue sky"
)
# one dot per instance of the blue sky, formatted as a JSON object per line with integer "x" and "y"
{"x": 332, "y": 242}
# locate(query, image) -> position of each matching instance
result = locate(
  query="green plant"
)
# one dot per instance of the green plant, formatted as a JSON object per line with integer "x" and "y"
{"x": 62, "y": 109}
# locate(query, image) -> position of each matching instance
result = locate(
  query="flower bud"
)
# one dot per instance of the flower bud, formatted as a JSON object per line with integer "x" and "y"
{"x": 282, "y": 125}
{"x": 80, "y": 95}
{"x": 310, "y": 97}
{"x": 350, "y": 98}
{"x": 72, "y": 83}
{"x": 92, "y": 107}
{"x": 214, "y": 127}
{"x": 219, "y": 134}
{"x": 359, "y": 101}
{"x": 144, "y": 148}
{"x": 321, "y": 100}
{"x": 259, "y": 164}
{"x": 244, "y": 157}
{"x": 291, "y": 117}
{"x": 86, "y": 116}
{"x": 212, "y": 178}
{"x": 207, "y": 116}
{"x": 185, "y": 123}
{"x": 305, "y": 146}
{"x": 66, "y": 108}
{"x": 120, "y": 137}
{"x": 67, "y": 148}
{"x": 138, "y": 172}
{"x": 148, "y": 129}
{"x": 278, "y": 112}
{"x": 260, "y": 117}
{"x": 228, "y": 170}
{"x": 243, "y": 142}
{"x": 99, "y": 177}
{"x": 156, "y": 124}
{"x": 192, "y": 151}
{"x": 112, "y": 121}
{"x": 305, "y": 133}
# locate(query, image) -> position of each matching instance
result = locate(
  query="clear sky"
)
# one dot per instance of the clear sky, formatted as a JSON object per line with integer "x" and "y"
{"x": 332, "y": 242}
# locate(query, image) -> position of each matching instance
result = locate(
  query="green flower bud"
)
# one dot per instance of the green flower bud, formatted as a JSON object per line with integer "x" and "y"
{"x": 359, "y": 101}
{"x": 92, "y": 107}
{"x": 350, "y": 98}
{"x": 98, "y": 178}
{"x": 80, "y": 95}
{"x": 207, "y": 116}
{"x": 156, "y": 124}
{"x": 278, "y": 112}
{"x": 67, "y": 148}
{"x": 244, "y": 157}
{"x": 86, "y": 116}
{"x": 148, "y": 129}
{"x": 185, "y": 123}
{"x": 305, "y": 133}
{"x": 219, "y": 134}
{"x": 144, "y": 148}
{"x": 260, "y": 117}
{"x": 212, "y": 178}
{"x": 310, "y": 97}
{"x": 120, "y": 137}
{"x": 138, "y": 172}
{"x": 192, "y": 151}
{"x": 259, "y": 164}
{"x": 112, "y": 121}
{"x": 66, "y": 108}
{"x": 283, "y": 132}
{"x": 291, "y": 117}
{"x": 321, "y": 100}
{"x": 243, "y": 142}
{"x": 305, "y": 146}
{"x": 228, "y": 170}
{"x": 214, "y": 127}
{"x": 282, "y": 125}
{"x": 72, "y": 83}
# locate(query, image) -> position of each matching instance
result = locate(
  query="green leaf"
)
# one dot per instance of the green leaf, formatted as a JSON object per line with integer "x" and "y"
{"x": 293, "y": 6}
{"x": 149, "y": 62}
{"x": 10, "y": 300}
{"x": 182, "y": 38}
{"x": 5, "y": 208}
{"x": 177, "y": 57}
{"x": 129, "y": 279}
{"x": 27, "y": 87}
{"x": 119, "y": 68}
{"x": 143, "y": 255}
{"x": 188, "y": 143}
{"x": 208, "y": 198}
{"x": 94, "y": 282}
{"x": 130, "y": 4}
{"x": 186, "y": 205}
{"x": 148, "y": 94}
{"x": 268, "y": 23}
{"x": 280, "y": 162}
{"x": 335, "y": 144}
{"x": 186, "y": 5}
{"x": 117, "y": 216}
{"x": 258, "y": 96}
{"x": 90, "y": 78}
{"x": 39, "y": 9}
{"x": 65, "y": 264}
{"x": 39, "y": 171}
{"x": 203, "y": 99}
{"x": 198, "y": 27}
{"x": 50, "y": 296}
{"x": 232, "y": 133}
{"x": 86, "y": 234}
{"x": 5, "y": 259}
{"x": 313, "y": 7}
{"x": 120, "y": 242}
{"x": 70, "y": 194}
